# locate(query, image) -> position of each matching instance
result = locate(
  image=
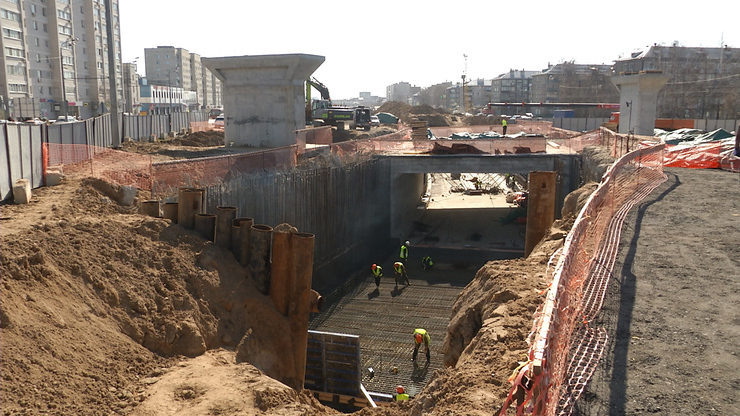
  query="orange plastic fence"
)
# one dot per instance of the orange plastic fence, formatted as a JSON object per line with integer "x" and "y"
{"x": 703, "y": 156}
{"x": 553, "y": 378}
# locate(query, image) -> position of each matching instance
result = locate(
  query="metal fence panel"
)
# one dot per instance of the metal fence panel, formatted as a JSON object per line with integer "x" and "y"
{"x": 14, "y": 152}
{"x": 37, "y": 156}
{"x": 5, "y": 184}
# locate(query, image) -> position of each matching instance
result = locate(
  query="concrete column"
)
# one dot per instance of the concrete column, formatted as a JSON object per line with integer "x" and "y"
{"x": 224, "y": 218}
{"x": 263, "y": 96}
{"x": 638, "y": 101}
{"x": 540, "y": 207}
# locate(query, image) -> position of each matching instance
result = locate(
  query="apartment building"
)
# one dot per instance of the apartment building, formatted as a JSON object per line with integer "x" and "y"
{"x": 512, "y": 86}
{"x": 179, "y": 68}
{"x": 569, "y": 82}
{"x": 55, "y": 58}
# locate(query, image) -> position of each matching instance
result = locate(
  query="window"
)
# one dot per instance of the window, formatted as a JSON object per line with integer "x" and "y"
{"x": 18, "y": 87}
{"x": 10, "y": 33}
{"x": 67, "y": 46}
{"x": 35, "y": 25}
{"x": 67, "y": 60}
{"x": 69, "y": 74}
{"x": 16, "y": 69}
{"x": 33, "y": 9}
{"x": 37, "y": 42}
{"x": 64, "y": 14}
{"x": 18, "y": 53}
{"x": 41, "y": 90}
{"x": 65, "y": 30}
{"x": 7, "y": 14}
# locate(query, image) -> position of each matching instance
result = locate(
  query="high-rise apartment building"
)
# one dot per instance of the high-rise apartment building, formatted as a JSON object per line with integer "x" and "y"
{"x": 55, "y": 57}
{"x": 176, "y": 67}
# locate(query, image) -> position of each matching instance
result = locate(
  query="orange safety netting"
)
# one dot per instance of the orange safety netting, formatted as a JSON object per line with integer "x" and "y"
{"x": 564, "y": 348}
{"x": 702, "y": 156}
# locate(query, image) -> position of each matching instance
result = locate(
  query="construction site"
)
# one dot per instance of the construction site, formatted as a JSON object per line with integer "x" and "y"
{"x": 229, "y": 272}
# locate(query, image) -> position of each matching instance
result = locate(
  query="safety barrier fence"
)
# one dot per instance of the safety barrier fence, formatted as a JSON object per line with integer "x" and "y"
{"x": 564, "y": 346}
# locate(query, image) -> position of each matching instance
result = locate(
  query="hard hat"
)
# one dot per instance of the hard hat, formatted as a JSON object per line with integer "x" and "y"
{"x": 418, "y": 338}
{"x": 407, "y": 243}
{"x": 400, "y": 389}
{"x": 375, "y": 266}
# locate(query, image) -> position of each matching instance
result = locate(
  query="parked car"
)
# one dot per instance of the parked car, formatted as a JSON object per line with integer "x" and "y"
{"x": 374, "y": 121}
{"x": 219, "y": 121}
{"x": 65, "y": 119}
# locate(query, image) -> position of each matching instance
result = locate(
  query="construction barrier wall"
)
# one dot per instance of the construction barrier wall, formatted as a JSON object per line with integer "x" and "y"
{"x": 20, "y": 156}
{"x": 565, "y": 348}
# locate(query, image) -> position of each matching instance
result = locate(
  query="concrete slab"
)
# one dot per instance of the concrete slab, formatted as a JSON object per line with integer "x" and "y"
{"x": 263, "y": 96}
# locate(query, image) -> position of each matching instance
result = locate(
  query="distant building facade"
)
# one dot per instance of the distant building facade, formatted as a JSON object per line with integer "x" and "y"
{"x": 569, "y": 82}
{"x": 512, "y": 87}
{"x": 131, "y": 89}
{"x": 56, "y": 52}
{"x": 178, "y": 68}
{"x": 401, "y": 91}
{"x": 704, "y": 82}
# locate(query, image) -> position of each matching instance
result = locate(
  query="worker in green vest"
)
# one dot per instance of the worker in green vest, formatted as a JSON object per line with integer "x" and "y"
{"x": 401, "y": 275}
{"x": 504, "y": 124}
{"x": 401, "y": 394}
{"x": 377, "y": 273}
{"x": 421, "y": 336}
{"x": 427, "y": 263}
{"x": 404, "y": 254}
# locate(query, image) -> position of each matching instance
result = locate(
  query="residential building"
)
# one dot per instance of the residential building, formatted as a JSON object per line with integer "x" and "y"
{"x": 569, "y": 82}
{"x": 55, "y": 57}
{"x": 512, "y": 86}
{"x": 401, "y": 91}
{"x": 434, "y": 95}
{"x": 703, "y": 82}
{"x": 131, "y": 89}
{"x": 177, "y": 67}
{"x": 161, "y": 99}
{"x": 454, "y": 97}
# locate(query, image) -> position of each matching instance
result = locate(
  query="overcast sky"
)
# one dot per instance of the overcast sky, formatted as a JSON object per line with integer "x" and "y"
{"x": 371, "y": 44}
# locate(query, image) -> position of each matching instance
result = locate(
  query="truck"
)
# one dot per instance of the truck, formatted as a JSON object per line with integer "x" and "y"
{"x": 323, "y": 112}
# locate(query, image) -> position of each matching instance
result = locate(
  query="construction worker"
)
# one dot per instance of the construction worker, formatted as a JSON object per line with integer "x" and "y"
{"x": 401, "y": 275}
{"x": 421, "y": 335}
{"x": 401, "y": 394}
{"x": 427, "y": 262}
{"x": 377, "y": 273}
{"x": 404, "y": 254}
{"x": 504, "y": 124}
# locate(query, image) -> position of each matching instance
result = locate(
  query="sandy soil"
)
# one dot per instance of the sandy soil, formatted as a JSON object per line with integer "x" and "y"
{"x": 671, "y": 310}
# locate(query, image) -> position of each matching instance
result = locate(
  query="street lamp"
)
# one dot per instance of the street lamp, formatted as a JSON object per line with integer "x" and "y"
{"x": 71, "y": 42}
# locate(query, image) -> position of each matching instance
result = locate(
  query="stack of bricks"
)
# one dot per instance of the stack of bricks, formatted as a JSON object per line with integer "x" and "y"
{"x": 419, "y": 130}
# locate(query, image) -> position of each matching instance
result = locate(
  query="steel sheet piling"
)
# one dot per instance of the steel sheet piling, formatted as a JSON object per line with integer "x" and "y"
{"x": 245, "y": 231}
{"x": 224, "y": 219}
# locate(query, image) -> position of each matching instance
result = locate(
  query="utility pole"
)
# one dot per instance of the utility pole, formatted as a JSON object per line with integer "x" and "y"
{"x": 115, "y": 133}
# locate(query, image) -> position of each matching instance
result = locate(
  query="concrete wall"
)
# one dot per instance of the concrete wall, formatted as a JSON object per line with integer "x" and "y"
{"x": 347, "y": 207}
{"x": 578, "y": 124}
{"x": 406, "y": 190}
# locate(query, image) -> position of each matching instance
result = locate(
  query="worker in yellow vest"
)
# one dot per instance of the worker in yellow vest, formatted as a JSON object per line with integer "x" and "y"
{"x": 421, "y": 336}
{"x": 404, "y": 254}
{"x": 401, "y": 275}
{"x": 377, "y": 273}
{"x": 504, "y": 124}
{"x": 401, "y": 394}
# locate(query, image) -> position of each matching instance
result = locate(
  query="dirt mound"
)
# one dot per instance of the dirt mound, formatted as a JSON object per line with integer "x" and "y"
{"x": 480, "y": 121}
{"x": 95, "y": 299}
{"x": 200, "y": 139}
{"x": 427, "y": 109}
{"x": 455, "y": 149}
{"x": 435, "y": 117}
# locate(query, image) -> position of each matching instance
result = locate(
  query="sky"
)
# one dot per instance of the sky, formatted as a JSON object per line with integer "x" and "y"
{"x": 371, "y": 44}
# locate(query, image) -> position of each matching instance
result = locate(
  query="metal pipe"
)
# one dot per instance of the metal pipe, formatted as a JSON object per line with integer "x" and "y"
{"x": 190, "y": 202}
{"x": 282, "y": 271}
{"x": 245, "y": 232}
{"x": 224, "y": 219}
{"x": 151, "y": 208}
{"x": 299, "y": 307}
{"x": 169, "y": 211}
{"x": 205, "y": 225}
{"x": 260, "y": 239}
{"x": 235, "y": 240}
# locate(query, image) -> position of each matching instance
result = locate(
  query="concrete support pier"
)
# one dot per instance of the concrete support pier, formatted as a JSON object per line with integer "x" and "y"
{"x": 638, "y": 99}
{"x": 263, "y": 96}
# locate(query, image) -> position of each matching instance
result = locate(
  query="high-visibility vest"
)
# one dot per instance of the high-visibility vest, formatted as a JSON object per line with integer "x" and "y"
{"x": 427, "y": 261}
{"x": 399, "y": 267}
{"x": 503, "y": 122}
{"x": 401, "y": 397}
{"x": 378, "y": 272}
{"x": 404, "y": 252}
{"x": 424, "y": 335}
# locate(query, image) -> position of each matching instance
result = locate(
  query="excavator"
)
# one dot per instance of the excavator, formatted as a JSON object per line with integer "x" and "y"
{"x": 322, "y": 112}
